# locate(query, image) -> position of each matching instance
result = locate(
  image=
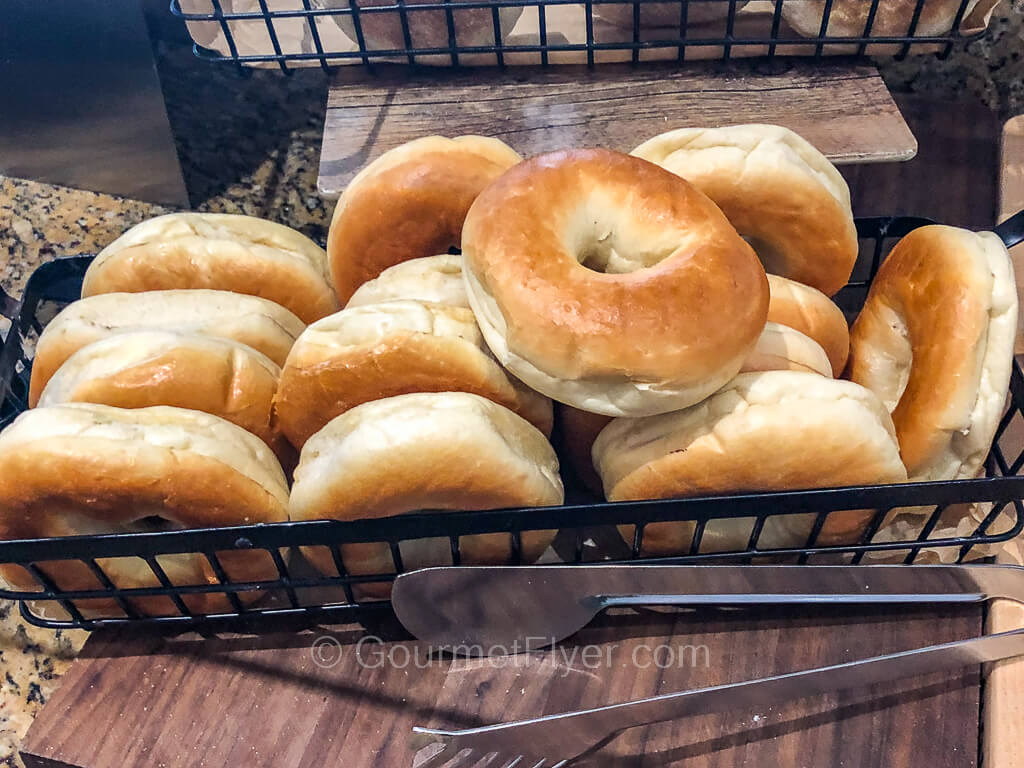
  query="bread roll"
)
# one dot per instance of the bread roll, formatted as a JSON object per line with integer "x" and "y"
{"x": 436, "y": 279}
{"x": 263, "y": 325}
{"x": 814, "y": 314}
{"x": 408, "y": 203}
{"x": 780, "y": 193}
{"x": 603, "y": 281}
{"x": 394, "y": 348}
{"x": 202, "y": 373}
{"x": 82, "y": 468}
{"x": 773, "y": 431}
{"x": 219, "y": 251}
{"x": 934, "y": 341}
{"x": 778, "y": 349}
{"x": 419, "y": 452}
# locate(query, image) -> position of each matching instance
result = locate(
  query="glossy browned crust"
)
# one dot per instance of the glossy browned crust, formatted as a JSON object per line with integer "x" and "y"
{"x": 409, "y": 203}
{"x": 446, "y": 451}
{"x": 812, "y": 313}
{"x": 232, "y": 383}
{"x": 770, "y": 431}
{"x": 266, "y": 327}
{"x": 933, "y": 289}
{"x": 698, "y": 309}
{"x": 45, "y": 484}
{"x": 315, "y": 389}
{"x": 221, "y": 252}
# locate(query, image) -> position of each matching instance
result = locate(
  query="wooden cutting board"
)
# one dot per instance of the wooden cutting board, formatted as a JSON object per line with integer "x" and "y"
{"x": 845, "y": 110}
{"x": 266, "y": 701}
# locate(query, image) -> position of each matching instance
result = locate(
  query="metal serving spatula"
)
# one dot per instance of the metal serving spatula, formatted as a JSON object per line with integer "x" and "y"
{"x": 481, "y": 609}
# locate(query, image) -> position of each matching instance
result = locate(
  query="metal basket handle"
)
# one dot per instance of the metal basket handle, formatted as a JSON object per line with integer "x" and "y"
{"x": 1011, "y": 231}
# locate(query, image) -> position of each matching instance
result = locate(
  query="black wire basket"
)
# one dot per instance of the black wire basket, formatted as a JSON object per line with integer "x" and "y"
{"x": 280, "y": 28}
{"x": 587, "y": 528}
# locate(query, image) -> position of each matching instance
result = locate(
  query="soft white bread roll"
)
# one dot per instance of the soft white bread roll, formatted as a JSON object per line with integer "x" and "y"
{"x": 664, "y": 14}
{"x": 848, "y": 18}
{"x": 408, "y": 203}
{"x": 780, "y": 193}
{"x": 602, "y": 281}
{"x": 394, "y": 348}
{"x": 263, "y": 325}
{"x": 221, "y": 251}
{"x": 436, "y": 279}
{"x": 773, "y": 431}
{"x": 814, "y": 314}
{"x": 85, "y": 469}
{"x": 935, "y": 342}
{"x": 421, "y": 452}
{"x": 779, "y": 348}
{"x": 138, "y": 369}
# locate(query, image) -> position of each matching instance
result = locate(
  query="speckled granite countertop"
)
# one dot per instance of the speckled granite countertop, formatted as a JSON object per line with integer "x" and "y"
{"x": 251, "y": 145}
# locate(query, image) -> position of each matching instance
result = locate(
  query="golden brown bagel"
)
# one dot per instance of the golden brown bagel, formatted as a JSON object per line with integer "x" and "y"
{"x": 774, "y": 431}
{"x": 935, "y": 342}
{"x": 263, "y": 325}
{"x": 812, "y": 313}
{"x": 419, "y": 452}
{"x": 602, "y": 281}
{"x": 408, "y": 203}
{"x": 82, "y": 468}
{"x": 664, "y": 14}
{"x": 780, "y": 193}
{"x": 393, "y": 348}
{"x": 219, "y": 251}
{"x": 778, "y": 349}
{"x": 433, "y": 278}
{"x": 848, "y": 18}
{"x": 138, "y": 369}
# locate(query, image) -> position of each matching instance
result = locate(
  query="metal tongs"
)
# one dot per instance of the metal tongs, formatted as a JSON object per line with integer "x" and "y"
{"x": 523, "y": 608}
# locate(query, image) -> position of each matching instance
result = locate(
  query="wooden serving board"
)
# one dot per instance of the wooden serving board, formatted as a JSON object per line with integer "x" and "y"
{"x": 265, "y": 701}
{"x": 845, "y": 110}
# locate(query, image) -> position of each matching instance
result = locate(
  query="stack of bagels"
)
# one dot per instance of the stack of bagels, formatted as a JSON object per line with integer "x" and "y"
{"x": 668, "y": 311}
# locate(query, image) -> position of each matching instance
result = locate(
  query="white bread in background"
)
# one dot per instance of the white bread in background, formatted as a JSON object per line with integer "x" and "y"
{"x": 221, "y": 251}
{"x": 814, "y": 314}
{"x": 781, "y": 194}
{"x": 433, "y": 278}
{"x": 772, "y": 431}
{"x": 848, "y": 18}
{"x": 421, "y": 452}
{"x": 393, "y": 348}
{"x": 138, "y": 369}
{"x": 935, "y": 342}
{"x": 82, "y": 468}
{"x": 263, "y": 325}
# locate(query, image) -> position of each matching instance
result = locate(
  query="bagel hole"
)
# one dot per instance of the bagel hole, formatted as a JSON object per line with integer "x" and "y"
{"x": 599, "y": 247}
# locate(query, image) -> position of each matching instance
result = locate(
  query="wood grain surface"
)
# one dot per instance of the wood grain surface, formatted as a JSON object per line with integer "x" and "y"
{"x": 264, "y": 701}
{"x": 843, "y": 109}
